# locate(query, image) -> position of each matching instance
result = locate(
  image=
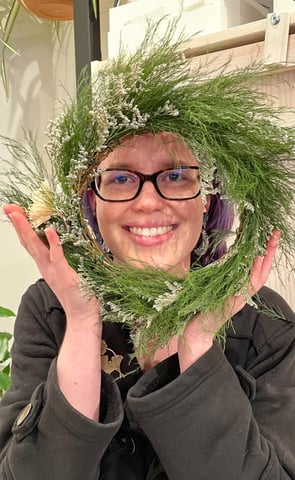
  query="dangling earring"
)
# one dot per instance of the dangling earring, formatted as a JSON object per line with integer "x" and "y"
{"x": 99, "y": 238}
{"x": 204, "y": 239}
{"x": 105, "y": 247}
{"x": 97, "y": 233}
{"x": 102, "y": 243}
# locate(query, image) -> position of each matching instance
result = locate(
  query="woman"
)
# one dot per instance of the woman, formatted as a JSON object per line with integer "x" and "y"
{"x": 185, "y": 409}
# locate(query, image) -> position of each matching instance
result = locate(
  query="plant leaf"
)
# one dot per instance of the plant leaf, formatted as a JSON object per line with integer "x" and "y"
{"x": 94, "y": 6}
{"x": 6, "y": 45}
{"x": 7, "y": 29}
{"x": 5, "y": 312}
{"x": 4, "y": 347}
{"x": 5, "y": 381}
{"x": 7, "y": 369}
{"x": 8, "y": 26}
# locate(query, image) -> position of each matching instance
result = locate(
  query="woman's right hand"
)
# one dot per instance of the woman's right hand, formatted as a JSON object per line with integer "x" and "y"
{"x": 79, "y": 359}
{"x": 53, "y": 267}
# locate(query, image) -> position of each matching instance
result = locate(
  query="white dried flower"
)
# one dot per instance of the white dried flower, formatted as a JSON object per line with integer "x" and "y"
{"x": 42, "y": 207}
{"x": 164, "y": 300}
{"x": 249, "y": 206}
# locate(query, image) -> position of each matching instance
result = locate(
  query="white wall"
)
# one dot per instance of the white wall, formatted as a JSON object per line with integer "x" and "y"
{"x": 36, "y": 80}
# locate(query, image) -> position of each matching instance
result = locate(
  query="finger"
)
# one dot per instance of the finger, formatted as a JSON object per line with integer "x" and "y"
{"x": 273, "y": 241}
{"x": 27, "y": 236}
{"x": 271, "y": 249}
{"x": 58, "y": 262}
{"x": 12, "y": 207}
{"x": 55, "y": 249}
{"x": 262, "y": 265}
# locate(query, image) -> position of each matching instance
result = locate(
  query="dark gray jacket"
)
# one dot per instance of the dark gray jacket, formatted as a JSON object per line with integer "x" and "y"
{"x": 230, "y": 416}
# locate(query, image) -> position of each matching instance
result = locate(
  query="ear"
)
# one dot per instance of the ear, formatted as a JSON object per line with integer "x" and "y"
{"x": 207, "y": 204}
{"x": 91, "y": 200}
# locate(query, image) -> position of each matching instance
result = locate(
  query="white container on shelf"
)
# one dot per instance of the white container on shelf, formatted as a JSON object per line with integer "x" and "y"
{"x": 283, "y": 6}
{"x": 128, "y": 22}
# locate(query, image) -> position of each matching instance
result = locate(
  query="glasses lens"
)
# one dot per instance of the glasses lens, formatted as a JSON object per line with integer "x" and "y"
{"x": 117, "y": 185}
{"x": 180, "y": 183}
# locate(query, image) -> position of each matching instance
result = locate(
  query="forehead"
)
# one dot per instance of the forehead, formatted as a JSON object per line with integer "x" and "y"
{"x": 150, "y": 151}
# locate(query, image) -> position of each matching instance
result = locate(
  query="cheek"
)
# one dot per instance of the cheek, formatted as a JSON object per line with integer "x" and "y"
{"x": 108, "y": 219}
{"x": 195, "y": 215}
{"x": 195, "y": 227}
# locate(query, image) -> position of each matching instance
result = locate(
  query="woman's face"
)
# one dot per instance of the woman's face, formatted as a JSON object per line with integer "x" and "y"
{"x": 150, "y": 229}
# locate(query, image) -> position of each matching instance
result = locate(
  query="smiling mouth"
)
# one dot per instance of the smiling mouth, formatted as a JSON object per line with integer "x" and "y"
{"x": 150, "y": 232}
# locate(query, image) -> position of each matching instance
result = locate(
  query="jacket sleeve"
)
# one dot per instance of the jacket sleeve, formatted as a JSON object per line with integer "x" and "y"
{"x": 202, "y": 423}
{"x": 41, "y": 435}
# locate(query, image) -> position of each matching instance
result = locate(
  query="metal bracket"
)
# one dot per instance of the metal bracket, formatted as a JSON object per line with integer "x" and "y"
{"x": 276, "y": 38}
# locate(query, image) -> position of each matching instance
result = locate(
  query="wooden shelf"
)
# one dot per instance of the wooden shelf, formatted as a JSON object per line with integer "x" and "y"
{"x": 234, "y": 37}
{"x": 260, "y": 42}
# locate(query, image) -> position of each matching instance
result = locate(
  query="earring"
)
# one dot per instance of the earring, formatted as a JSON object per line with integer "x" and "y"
{"x": 105, "y": 247}
{"x": 203, "y": 243}
{"x": 99, "y": 238}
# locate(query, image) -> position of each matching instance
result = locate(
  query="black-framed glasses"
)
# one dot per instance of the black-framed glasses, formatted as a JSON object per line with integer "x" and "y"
{"x": 122, "y": 185}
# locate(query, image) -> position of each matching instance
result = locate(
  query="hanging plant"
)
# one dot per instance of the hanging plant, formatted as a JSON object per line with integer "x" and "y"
{"x": 56, "y": 10}
{"x": 53, "y": 10}
{"x": 6, "y": 25}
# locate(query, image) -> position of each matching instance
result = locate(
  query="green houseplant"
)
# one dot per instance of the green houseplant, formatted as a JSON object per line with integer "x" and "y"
{"x": 5, "y": 337}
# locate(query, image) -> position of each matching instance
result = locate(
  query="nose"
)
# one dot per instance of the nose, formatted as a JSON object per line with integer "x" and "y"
{"x": 148, "y": 199}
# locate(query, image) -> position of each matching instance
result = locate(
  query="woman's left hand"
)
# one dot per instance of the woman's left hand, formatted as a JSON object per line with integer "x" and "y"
{"x": 199, "y": 334}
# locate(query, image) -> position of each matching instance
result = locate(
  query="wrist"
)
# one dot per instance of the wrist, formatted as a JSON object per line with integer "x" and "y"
{"x": 192, "y": 347}
{"x": 79, "y": 367}
{"x": 79, "y": 325}
{"x": 79, "y": 322}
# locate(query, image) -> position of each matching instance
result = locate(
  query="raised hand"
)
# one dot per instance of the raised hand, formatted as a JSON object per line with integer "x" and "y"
{"x": 53, "y": 267}
{"x": 79, "y": 358}
{"x": 200, "y": 332}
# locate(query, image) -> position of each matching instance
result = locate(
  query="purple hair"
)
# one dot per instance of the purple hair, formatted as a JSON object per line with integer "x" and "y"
{"x": 90, "y": 215}
{"x": 220, "y": 219}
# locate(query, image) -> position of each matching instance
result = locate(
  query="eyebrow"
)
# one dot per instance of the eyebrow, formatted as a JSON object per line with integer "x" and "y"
{"x": 166, "y": 163}
{"x": 120, "y": 166}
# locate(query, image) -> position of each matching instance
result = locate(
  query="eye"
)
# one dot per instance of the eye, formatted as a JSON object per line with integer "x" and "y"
{"x": 121, "y": 179}
{"x": 175, "y": 176}
{"x": 172, "y": 176}
{"x": 118, "y": 177}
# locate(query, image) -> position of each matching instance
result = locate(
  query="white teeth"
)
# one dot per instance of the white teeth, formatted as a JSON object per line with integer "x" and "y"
{"x": 150, "y": 232}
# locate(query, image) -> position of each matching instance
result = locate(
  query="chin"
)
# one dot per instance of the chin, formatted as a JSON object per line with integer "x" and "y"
{"x": 178, "y": 264}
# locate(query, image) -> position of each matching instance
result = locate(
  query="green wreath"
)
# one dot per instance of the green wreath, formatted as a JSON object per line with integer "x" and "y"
{"x": 230, "y": 126}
